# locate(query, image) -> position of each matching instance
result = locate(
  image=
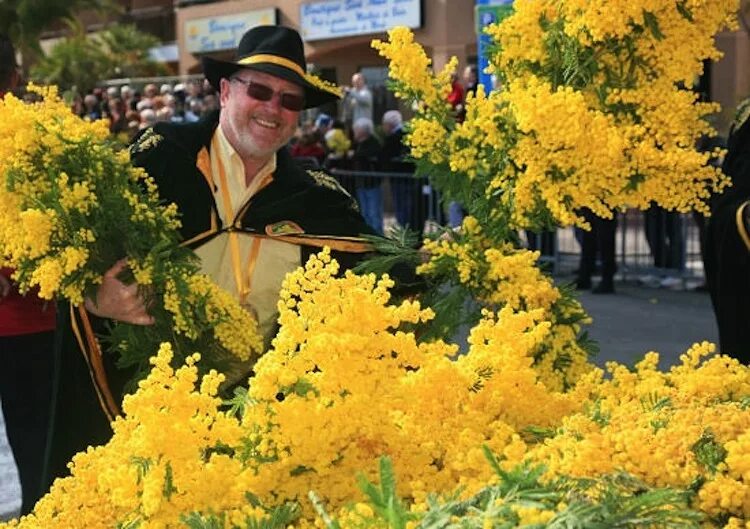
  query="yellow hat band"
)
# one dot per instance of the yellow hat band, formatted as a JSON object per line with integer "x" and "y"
{"x": 318, "y": 83}
{"x": 273, "y": 59}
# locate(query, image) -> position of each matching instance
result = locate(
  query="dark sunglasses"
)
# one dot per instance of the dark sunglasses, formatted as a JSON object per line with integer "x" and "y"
{"x": 261, "y": 92}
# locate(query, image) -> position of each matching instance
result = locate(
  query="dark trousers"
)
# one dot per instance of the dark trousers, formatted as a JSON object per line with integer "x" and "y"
{"x": 410, "y": 203}
{"x": 77, "y": 417}
{"x": 26, "y": 393}
{"x": 664, "y": 236}
{"x": 599, "y": 239}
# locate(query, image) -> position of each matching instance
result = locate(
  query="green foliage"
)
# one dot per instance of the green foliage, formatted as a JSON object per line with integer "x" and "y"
{"x": 278, "y": 517}
{"x": 595, "y": 412}
{"x": 708, "y": 451}
{"x": 452, "y": 303}
{"x": 652, "y": 24}
{"x": 168, "y": 489}
{"x": 75, "y": 63}
{"x": 198, "y": 521}
{"x": 127, "y": 52}
{"x": 330, "y": 523}
{"x": 239, "y": 402}
{"x": 142, "y": 464}
{"x": 25, "y": 20}
{"x": 384, "y": 499}
{"x": 617, "y": 501}
{"x": 400, "y": 246}
{"x": 79, "y": 62}
{"x": 132, "y": 524}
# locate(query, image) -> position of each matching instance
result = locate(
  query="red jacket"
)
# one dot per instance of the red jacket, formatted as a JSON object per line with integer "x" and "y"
{"x": 24, "y": 314}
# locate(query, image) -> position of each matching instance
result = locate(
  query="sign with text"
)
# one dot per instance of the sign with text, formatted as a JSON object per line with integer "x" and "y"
{"x": 224, "y": 32}
{"x": 344, "y": 18}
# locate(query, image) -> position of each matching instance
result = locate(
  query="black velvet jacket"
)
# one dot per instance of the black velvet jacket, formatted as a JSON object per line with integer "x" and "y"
{"x": 312, "y": 200}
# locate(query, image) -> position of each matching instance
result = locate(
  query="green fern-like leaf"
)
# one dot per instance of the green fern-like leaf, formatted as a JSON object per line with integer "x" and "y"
{"x": 652, "y": 23}
{"x": 708, "y": 451}
{"x": 384, "y": 498}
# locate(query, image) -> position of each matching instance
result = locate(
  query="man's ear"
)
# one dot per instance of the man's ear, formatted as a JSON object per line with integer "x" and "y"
{"x": 224, "y": 87}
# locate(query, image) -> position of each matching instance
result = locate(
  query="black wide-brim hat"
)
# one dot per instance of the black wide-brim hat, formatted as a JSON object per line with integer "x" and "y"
{"x": 278, "y": 51}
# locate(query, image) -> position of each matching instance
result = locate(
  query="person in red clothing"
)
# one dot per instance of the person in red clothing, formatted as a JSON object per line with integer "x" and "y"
{"x": 309, "y": 146}
{"x": 456, "y": 98}
{"x": 27, "y": 343}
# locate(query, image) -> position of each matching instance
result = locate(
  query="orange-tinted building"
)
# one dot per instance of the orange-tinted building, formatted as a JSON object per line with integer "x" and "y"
{"x": 338, "y": 35}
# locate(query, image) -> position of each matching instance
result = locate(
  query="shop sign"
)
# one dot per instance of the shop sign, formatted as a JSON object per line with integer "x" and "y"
{"x": 217, "y": 33}
{"x": 344, "y": 18}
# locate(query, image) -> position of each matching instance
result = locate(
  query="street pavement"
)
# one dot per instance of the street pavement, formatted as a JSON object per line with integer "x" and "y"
{"x": 10, "y": 492}
{"x": 627, "y": 324}
{"x": 638, "y": 319}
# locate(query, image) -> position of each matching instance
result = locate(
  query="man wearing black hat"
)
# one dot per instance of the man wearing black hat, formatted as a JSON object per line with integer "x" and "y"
{"x": 247, "y": 210}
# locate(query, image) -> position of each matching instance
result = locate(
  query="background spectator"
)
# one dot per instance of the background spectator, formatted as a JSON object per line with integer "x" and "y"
{"x": 365, "y": 158}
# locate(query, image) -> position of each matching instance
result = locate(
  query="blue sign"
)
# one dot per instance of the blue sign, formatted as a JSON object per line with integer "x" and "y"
{"x": 488, "y": 12}
{"x": 343, "y": 18}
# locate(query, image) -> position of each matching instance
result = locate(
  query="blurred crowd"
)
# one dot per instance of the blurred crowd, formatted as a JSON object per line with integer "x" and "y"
{"x": 129, "y": 109}
{"x": 367, "y": 154}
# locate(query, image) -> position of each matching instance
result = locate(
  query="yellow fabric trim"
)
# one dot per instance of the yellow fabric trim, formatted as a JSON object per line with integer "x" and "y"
{"x": 267, "y": 179}
{"x": 92, "y": 354}
{"x": 203, "y": 163}
{"x": 203, "y": 235}
{"x": 234, "y": 242}
{"x": 273, "y": 59}
{"x": 342, "y": 245}
{"x": 251, "y": 264}
{"x": 741, "y": 225}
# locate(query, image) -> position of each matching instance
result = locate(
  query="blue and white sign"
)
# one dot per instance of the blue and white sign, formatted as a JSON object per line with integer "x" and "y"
{"x": 208, "y": 34}
{"x": 344, "y": 18}
{"x": 488, "y": 12}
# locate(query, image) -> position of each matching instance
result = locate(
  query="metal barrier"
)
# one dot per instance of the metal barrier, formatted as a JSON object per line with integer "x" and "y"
{"x": 390, "y": 199}
{"x": 657, "y": 247}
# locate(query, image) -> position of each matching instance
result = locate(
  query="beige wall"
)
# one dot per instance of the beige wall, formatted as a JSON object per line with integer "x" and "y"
{"x": 447, "y": 30}
{"x": 730, "y": 77}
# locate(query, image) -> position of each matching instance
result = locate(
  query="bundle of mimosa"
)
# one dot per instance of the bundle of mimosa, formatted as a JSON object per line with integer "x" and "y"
{"x": 72, "y": 205}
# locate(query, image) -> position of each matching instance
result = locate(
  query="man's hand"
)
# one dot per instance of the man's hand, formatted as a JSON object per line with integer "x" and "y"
{"x": 118, "y": 301}
{"x": 4, "y": 287}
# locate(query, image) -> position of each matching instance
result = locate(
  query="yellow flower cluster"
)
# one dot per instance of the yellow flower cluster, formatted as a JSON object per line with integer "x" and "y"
{"x": 410, "y": 64}
{"x": 668, "y": 429}
{"x": 347, "y": 382}
{"x": 165, "y": 459}
{"x": 505, "y": 276}
{"x": 233, "y": 326}
{"x": 70, "y": 203}
{"x": 612, "y": 127}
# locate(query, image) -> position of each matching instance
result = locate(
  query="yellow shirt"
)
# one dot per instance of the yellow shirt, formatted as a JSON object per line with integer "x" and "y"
{"x": 223, "y": 156}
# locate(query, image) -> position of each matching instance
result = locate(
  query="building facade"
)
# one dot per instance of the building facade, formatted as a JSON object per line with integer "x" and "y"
{"x": 338, "y": 33}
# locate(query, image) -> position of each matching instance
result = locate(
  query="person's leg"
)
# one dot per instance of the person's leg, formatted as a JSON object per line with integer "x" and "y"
{"x": 401, "y": 189}
{"x": 455, "y": 214}
{"x": 377, "y": 208}
{"x": 588, "y": 253}
{"x": 368, "y": 203}
{"x": 673, "y": 228}
{"x": 26, "y": 399}
{"x": 605, "y": 233}
{"x": 654, "y": 220}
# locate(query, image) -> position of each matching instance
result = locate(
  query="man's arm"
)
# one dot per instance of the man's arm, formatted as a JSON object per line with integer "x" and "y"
{"x": 362, "y": 97}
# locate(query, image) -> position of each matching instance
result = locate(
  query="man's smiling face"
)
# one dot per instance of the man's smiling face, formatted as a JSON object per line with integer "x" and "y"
{"x": 257, "y": 129}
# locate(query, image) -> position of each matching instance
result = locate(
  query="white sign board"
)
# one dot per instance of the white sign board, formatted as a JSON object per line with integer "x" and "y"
{"x": 342, "y": 18}
{"x": 224, "y": 32}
